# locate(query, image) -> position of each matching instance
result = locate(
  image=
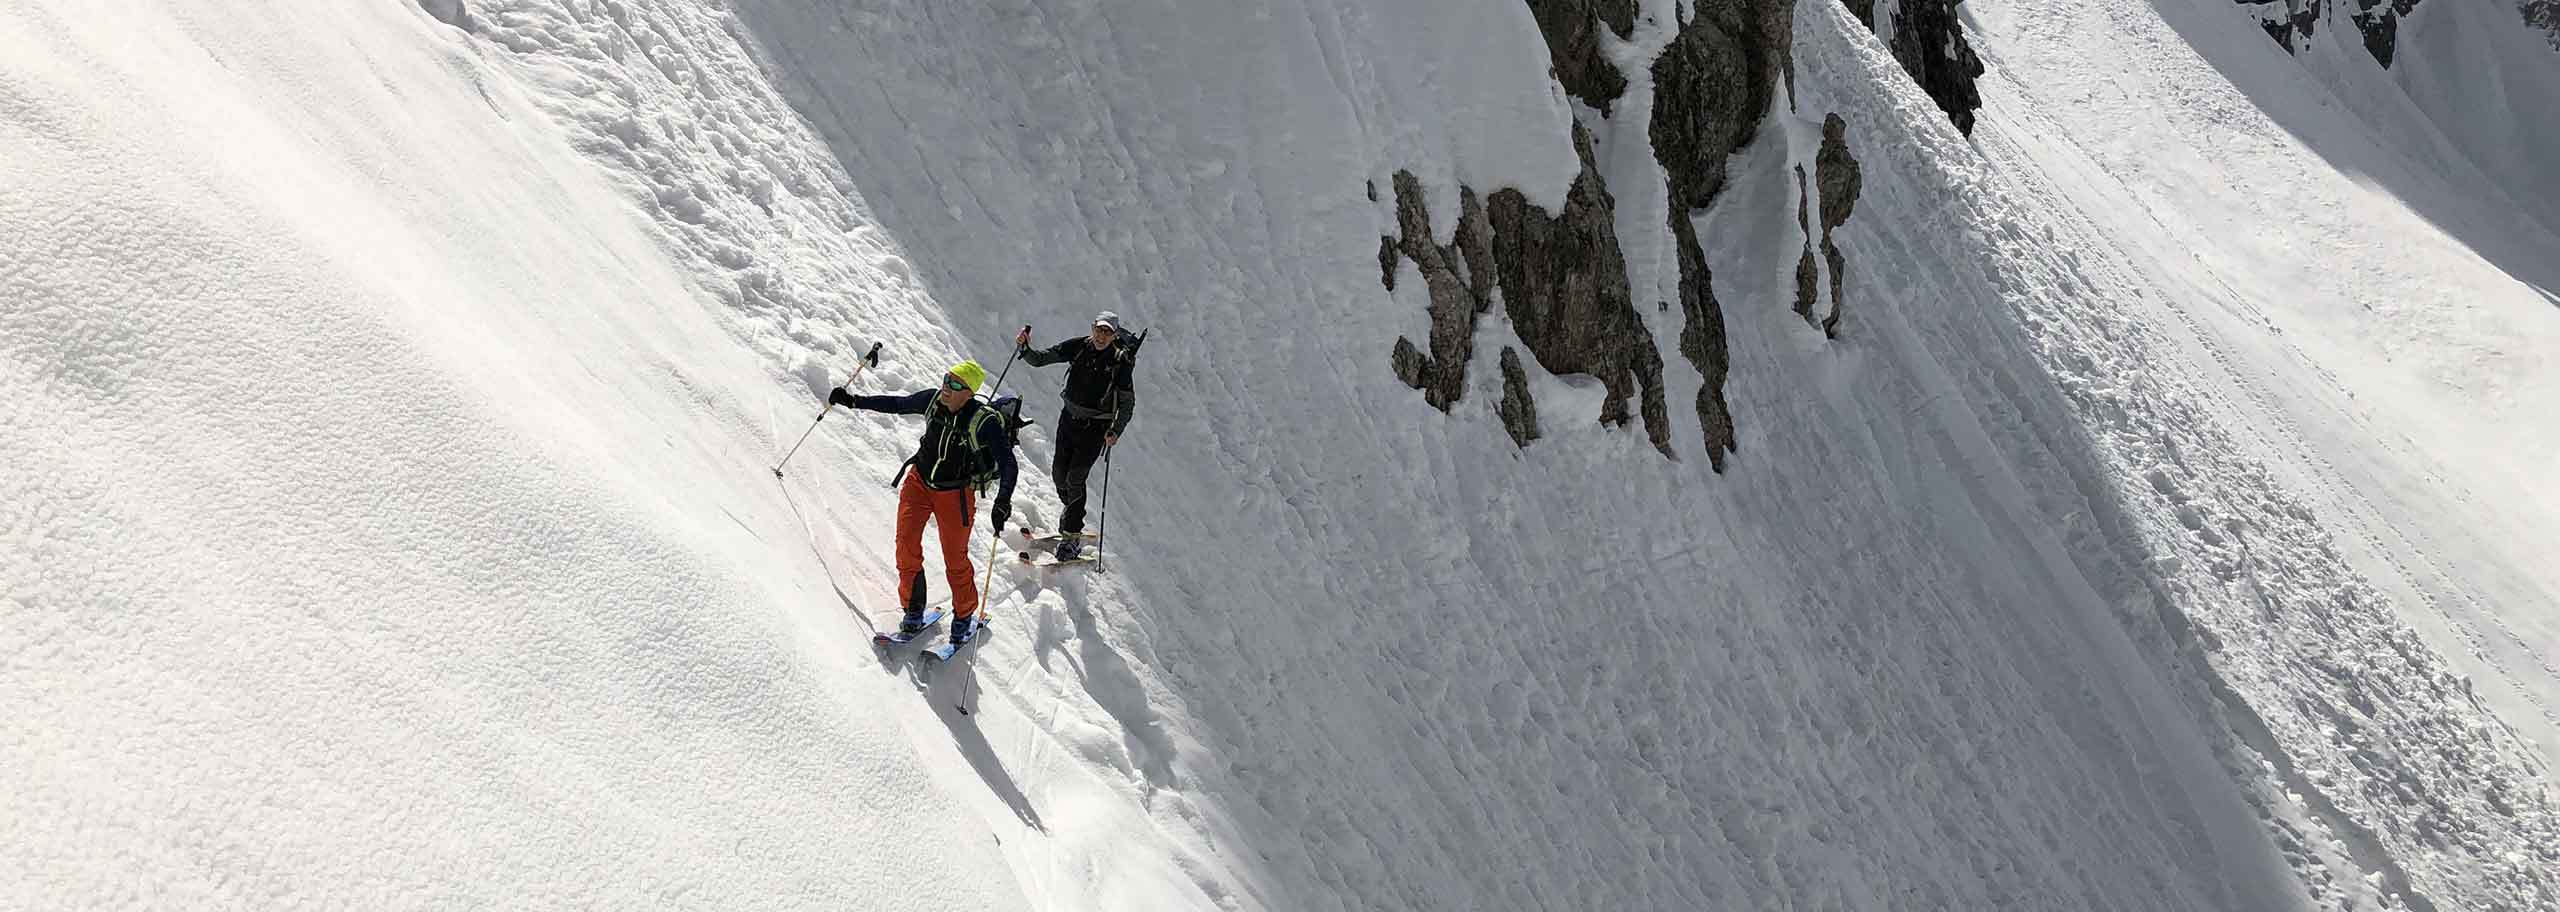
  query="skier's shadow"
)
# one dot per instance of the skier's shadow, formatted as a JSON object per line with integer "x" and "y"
{"x": 1115, "y": 687}
{"x": 942, "y": 685}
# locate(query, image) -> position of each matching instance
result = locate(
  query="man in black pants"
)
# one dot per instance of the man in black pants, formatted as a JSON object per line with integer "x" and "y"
{"x": 1099, "y": 404}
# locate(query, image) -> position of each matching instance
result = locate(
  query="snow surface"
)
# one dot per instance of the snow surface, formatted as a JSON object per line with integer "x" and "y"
{"x": 392, "y": 403}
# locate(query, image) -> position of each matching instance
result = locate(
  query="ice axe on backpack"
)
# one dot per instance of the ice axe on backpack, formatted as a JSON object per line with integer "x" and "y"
{"x": 869, "y": 359}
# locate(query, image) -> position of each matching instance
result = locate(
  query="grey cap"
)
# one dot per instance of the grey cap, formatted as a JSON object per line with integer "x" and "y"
{"x": 1107, "y": 318}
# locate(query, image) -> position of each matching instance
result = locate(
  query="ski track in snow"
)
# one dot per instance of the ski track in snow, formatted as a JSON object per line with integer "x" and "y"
{"x": 471, "y": 588}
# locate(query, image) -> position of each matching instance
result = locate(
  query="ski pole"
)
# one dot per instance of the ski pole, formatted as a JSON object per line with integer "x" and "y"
{"x": 869, "y": 359}
{"x": 1008, "y": 367}
{"x": 985, "y": 599}
{"x": 1102, "y": 517}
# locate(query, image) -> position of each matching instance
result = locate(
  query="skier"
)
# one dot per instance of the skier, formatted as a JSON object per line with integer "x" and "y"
{"x": 1098, "y": 405}
{"x": 967, "y": 443}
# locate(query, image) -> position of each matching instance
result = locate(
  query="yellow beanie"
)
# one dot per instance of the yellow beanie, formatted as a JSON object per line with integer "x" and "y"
{"x": 970, "y": 373}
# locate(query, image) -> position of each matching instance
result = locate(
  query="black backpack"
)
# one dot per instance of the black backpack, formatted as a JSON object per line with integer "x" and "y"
{"x": 1007, "y": 407}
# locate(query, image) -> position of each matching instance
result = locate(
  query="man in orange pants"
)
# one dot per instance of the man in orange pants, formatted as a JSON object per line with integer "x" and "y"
{"x": 967, "y": 443}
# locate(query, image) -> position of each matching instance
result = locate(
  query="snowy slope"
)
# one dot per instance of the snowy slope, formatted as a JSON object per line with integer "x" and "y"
{"x": 382, "y": 531}
{"x": 392, "y": 400}
{"x": 2037, "y": 489}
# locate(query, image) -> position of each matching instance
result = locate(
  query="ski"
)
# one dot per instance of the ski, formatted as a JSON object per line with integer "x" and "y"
{"x": 890, "y": 639}
{"x": 1050, "y": 563}
{"x": 1052, "y": 538}
{"x": 978, "y": 628}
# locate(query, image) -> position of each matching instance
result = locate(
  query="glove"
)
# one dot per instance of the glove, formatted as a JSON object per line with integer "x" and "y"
{"x": 1004, "y": 511}
{"x": 838, "y": 396}
{"x": 1022, "y": 340}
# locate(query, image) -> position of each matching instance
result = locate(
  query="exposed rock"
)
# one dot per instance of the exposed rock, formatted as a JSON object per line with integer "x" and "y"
{"x": 1836, "y": 173}
{"x": 1412, "y": 366}
{"x": 2289, "y": 22}
{"x": 1441, "y": 374}
{"x": 1519, "y": 412}
{"x": 1927, "y": 38}
{"x": 2544, "y": 15}
{"x": 1475, "y": 242}
{"x": 1387, "y": 255}
{"x": 1572, "y": 30}
{"x": 1702, "y": 341}
{"x": 2292, "y": 22}
{"x": 1808, "y": 275}
{"x": 1564, "y": 286}
{"x": 2380, "y": 22}
{"x": 1711, "y": 86}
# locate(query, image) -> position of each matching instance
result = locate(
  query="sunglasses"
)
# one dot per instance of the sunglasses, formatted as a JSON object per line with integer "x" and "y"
{"x": 953, "y": 384}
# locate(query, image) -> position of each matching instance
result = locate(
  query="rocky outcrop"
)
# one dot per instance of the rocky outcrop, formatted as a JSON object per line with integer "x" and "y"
{"x": 1519, "y": 412}
{"x": 1564, "y": 288}
{"x": 1836, "y": 173}
{"x": 1927, "y": 38}
{"x": 1572, "y": 30}
{"x": 2292, "y": 22}
{"x": 2544, "y": 15}
{"x": 2289, "y": 22}
{"x": 1459, "y": 278}
{"x": 2380, "y": 22}
{"x": 1562, "y": 275}
{"x": 1711, "y": 85}
{"x": 1808, "y": 273}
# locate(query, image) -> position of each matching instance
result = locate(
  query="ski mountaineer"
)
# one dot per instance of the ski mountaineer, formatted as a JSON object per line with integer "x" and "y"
{"x": 966, "y": 444}
{"x": 1098, "y": 403}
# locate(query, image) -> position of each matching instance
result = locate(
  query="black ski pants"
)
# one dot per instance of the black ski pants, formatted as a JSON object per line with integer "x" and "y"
{"x": 1079, "y": 444}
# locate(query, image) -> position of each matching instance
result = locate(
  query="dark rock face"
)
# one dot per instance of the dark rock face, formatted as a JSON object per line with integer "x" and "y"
{"x": 1572, "y": 30}
{"x": 1711, "y": 86}
{"x": 1564, "y": 286}
{"x": 1562, "y": 275}
{"x": 1929, "y": 41}
{"x": 2289, "y": 22}
{"x": 1836, "y": 173}
{"x": 2544, "y": 15}
{"x": 1519, "y": 412}
{"x": 1456, "y": 298}
{"x": 1927, "y": 38}
{"x": 1808, "y": 275}
{"x": 1702, "y": 341}
{"x": 2380, "y": 22}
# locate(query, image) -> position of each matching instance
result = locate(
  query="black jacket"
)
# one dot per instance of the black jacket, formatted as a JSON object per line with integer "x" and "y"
{"x": 1097, "y": 380}
{"x": 943, "y": 456}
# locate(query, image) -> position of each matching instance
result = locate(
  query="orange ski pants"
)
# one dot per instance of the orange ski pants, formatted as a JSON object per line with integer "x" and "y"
{"x": 951, "y": 512}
